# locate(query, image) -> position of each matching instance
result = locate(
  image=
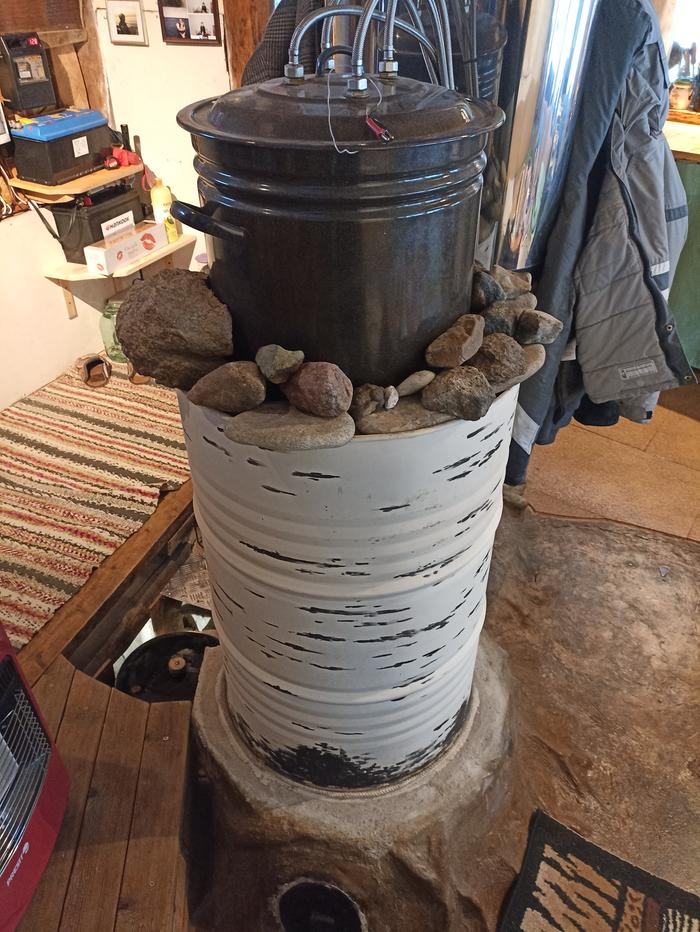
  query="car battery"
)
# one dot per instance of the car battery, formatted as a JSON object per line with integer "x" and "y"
{"x": 58, "y": 147}
{"x": 93, "y": 217}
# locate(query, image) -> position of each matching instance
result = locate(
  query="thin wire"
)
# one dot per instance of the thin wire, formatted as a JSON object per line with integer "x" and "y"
{"x": 378, "y": 89}
{"x": 330, "y": 127}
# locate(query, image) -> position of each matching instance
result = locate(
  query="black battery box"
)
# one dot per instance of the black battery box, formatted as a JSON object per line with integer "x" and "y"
{"x": 57, "y": 147}
{"x": 80, "y": 224}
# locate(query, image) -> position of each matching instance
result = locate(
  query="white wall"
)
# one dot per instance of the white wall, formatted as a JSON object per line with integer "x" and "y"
{"x": 149, "y": 84}
{"x": 38, "y": 340}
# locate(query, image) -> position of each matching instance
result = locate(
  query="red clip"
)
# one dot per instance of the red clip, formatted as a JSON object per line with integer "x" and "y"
{"x": 381, "y": 132}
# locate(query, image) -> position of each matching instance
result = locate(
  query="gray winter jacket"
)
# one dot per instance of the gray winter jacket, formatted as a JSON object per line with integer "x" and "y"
{"x": 616, "y": 242}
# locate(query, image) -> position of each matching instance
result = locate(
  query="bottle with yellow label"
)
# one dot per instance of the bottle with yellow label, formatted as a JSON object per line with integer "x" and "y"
{"x": 161, "y": 200}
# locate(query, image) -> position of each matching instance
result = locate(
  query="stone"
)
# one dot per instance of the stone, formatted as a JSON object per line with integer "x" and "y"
{"x": 319, "y": 388}
{"x": 512, "y": 283}
{"x": 537, "y": 327}
{"x": 535, "y": 356}
{"x": 458, "y": 344}
{"x": 277, "y": 364}
{"x": 463, "y": 392}
{"x": 277, "y": 426}
{"x": 408, "y": 414}
{"x": 415, "y": 383}
{"x": 503, "y": 316}
{"x": 366, "y": 399}
{"x": 174, "y": 329}
{"x": 391, "y": 398}
{"x": 485, "y": 290}
{"x": 500, "y": 359}
{"x": 233, "y": 388}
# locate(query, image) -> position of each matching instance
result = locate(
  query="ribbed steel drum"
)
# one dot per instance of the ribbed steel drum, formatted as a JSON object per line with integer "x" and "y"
{"x": 349, "y": 588}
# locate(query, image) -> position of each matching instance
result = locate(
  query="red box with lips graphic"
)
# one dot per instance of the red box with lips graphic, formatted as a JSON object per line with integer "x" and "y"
{"x": 107, "y": 256}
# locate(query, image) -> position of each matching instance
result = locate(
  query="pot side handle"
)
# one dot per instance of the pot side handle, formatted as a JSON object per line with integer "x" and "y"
{"x": 199, "y": 219}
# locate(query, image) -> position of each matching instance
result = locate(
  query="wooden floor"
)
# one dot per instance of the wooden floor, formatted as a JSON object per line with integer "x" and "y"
{"x": 647, "y": 475}
{"x": 118, "y": 863}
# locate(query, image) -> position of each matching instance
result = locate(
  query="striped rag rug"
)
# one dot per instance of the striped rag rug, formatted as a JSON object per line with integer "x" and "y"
{"x": 81, "y": 469}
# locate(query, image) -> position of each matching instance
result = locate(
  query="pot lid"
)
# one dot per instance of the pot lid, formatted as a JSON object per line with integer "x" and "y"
{"x": 276, "y": 113}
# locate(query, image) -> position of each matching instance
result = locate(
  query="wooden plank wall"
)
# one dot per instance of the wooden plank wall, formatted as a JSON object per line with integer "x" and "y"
{"x": 245, "y": 22}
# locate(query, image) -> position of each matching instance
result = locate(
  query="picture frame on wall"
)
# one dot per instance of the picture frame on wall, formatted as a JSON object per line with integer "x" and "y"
{"x": 190, "y": 22}
{"x": 126, "y": 22}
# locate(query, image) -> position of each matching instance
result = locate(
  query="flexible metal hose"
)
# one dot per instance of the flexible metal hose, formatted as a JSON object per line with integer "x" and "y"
{"x": 328, "y": 12}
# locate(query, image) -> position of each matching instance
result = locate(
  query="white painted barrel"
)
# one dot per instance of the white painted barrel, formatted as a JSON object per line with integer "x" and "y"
{"x": 350, "y": 589}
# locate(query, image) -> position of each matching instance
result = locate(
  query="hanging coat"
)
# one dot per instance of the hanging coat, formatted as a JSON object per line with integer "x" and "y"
{"x": 615, "y": 244}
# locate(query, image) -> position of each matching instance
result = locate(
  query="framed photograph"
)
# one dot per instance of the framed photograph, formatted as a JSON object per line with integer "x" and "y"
{"x": 190, "y": 22}
{"x": 126, "y": 23}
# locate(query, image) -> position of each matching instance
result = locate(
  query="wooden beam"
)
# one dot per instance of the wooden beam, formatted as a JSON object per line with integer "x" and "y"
{"x": 91, "y": 64}
{"x": 245, "y": 22}
{"x": 106, "y": 583}
{"x": 68, "y": 78}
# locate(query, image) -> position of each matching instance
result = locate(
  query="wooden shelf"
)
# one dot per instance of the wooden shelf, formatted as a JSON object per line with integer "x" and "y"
{"x": 60, "y": 193}
{"x": 684, "y": 140}
{"x": 74, "y": 272}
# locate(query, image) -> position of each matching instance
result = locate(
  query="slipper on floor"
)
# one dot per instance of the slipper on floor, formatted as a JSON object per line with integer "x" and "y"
{"x": 94, "y": 371}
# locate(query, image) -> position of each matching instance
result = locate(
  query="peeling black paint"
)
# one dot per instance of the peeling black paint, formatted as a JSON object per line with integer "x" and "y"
{"x": 253, "y": 592}
{"x": 438, "y": 565}
{"x": 355, "y": 573}
{"x": 461, "y": 475}
{"x": 224, "y": 595}
{"x": 393, "y": 507}
{"x": 318, "y": 637}
{"x": 388, "y": 637}
{"x": 490, "y": 454}
{"x": 275, "y": 555}
{"x": 492, "y": 434}
{"x": 271, "y": 488}
{"x": 399, "y": 663}
{"x": 380, "y": 656}
{"x": 455, "y": 465}
{"x": 474, "y": 433}
{"x": 254, "y": 462}
{"x": 475, "y": 607}
{"x": 312, "y": 610}
{"x": 212, "y": 444}
{"x": 316, "y": 476}
{"x": 323, "y": 667}
{"x": 299, "y": 647}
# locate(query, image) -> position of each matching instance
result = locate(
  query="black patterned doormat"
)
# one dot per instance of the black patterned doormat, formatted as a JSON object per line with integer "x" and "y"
{"x": 568, "y": 884}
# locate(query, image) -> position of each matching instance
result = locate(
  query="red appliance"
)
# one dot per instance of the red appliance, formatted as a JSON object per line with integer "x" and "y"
{"x": 33, "y": 791}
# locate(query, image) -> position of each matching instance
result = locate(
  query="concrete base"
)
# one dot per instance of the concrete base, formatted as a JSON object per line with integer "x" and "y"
{"x": 397, "y": 852}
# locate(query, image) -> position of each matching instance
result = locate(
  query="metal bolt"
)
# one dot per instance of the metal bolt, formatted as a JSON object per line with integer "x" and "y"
{"x": 669, "y": 327}
{"x": 357, "y": 85}
{"x": 389, "y": 68}
{"x": 294, "y": 73}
